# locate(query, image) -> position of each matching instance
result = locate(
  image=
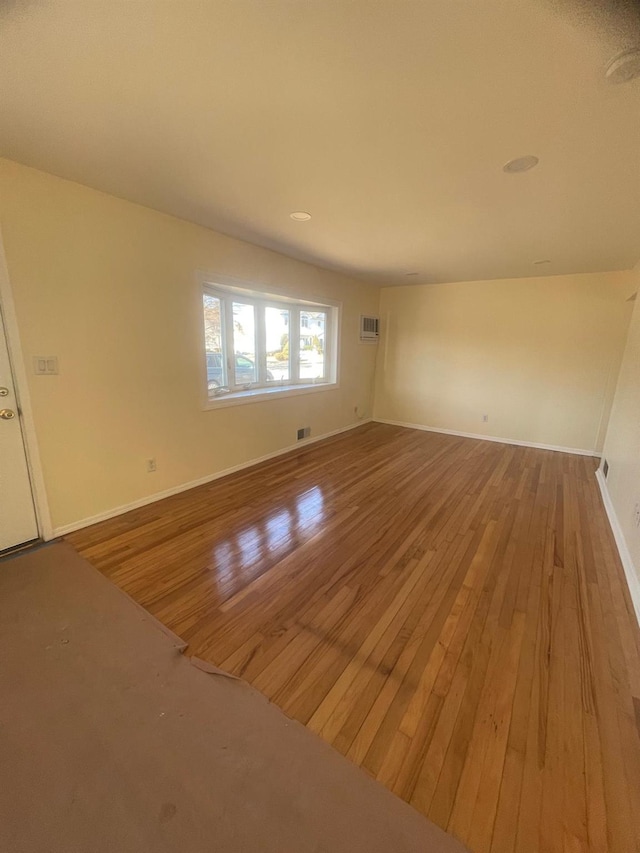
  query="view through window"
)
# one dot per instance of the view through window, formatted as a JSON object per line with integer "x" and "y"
{"x": 257, "y": 342}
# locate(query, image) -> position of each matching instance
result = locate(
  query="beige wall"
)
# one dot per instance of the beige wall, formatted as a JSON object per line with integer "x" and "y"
{"x": 622, "y": 444}
{"x": 539, "y": 356}
{"x": 109, "y": 287}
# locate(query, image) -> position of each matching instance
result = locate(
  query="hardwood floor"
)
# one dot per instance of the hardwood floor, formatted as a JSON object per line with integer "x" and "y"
{"x": 450, "y": 614}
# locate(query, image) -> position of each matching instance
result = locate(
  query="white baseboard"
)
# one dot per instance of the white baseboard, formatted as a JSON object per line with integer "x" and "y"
{"x": 183, "y": 487}
{"x": 630, "y": 571}
{"x": 515, "y": 441}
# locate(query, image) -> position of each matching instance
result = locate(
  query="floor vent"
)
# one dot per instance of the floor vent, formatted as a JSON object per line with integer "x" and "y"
{"x": 304, "y": 432}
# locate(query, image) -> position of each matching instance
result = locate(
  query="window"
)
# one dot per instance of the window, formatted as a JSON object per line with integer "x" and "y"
{"x": 259, "y": 344}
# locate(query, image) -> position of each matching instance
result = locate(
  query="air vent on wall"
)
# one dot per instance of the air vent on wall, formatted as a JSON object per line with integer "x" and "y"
{"x": 605, "y": 468}
{"x": 369, "y": 329}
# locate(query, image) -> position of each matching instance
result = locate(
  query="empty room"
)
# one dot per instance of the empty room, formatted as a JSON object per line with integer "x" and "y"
{"x": 320, "y": 426}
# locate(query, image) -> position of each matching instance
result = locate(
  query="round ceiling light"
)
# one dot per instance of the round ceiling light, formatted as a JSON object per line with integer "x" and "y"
{"x": 300, "y": 216}
{"x": 520, "y": 164}
{"x": 624, "y": 67}
{"x": 412, "y": 273}
{"x": 544, "y": 261}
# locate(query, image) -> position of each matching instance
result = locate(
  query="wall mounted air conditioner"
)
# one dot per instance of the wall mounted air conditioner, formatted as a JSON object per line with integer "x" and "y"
{"x": 369, "y": 329}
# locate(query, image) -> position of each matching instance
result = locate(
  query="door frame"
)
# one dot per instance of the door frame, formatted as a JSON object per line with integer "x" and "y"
{"x": 19, "y": 375}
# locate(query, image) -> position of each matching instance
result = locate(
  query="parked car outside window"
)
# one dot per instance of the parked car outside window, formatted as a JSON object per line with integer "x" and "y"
{"x": 245, "y": 370}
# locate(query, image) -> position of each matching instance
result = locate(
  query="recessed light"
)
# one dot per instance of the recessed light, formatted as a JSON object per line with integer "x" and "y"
{"x": 412, "y": 273}
{"x": 300, "y": 216}
{"x": 544, "y": 261}
{"x": 520, "y": 164}
{"x": 624, "y": 67}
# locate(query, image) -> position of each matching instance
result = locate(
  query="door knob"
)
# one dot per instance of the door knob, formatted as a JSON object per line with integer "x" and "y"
{"x": 7, "y": 414}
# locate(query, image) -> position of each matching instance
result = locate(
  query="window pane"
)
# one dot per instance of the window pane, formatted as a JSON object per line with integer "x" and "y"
{"x": 312, "y": 340}
{"x": 244, "y": 343}
{"x": 277, "y": 327}
{"x": 254, "y": 340}
{"x": 216, "y": 368}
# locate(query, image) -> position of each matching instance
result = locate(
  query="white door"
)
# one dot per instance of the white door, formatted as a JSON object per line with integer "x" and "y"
{"x": 17, "y": 514}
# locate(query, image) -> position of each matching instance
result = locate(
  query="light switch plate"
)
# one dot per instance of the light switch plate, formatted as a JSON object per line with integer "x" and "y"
{"x": 45, "y": 365}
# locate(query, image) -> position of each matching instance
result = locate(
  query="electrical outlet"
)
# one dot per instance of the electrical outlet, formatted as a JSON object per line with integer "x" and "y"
{"x": 637, "y": 514}
{"x": 485, "y": 419}
{"x": 151, "y": 466}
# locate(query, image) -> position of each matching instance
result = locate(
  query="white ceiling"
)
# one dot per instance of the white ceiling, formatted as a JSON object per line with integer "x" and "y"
{"x": 388, "y": 120}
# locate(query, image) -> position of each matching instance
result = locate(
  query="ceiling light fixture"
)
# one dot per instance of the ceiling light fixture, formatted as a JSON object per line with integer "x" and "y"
{"x": 412, "y": 273}
{"x": 300, "y": 216}
{"x": 544, "y": 261}
{"x": 624, "y": 67}
{"x": 520, "y": 164}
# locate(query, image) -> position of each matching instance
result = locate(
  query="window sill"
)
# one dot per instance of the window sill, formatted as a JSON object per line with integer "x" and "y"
{"x": 259, "y": 395}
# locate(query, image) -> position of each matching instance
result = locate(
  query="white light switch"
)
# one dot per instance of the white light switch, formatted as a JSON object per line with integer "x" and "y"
{"x": 45, "y": 365}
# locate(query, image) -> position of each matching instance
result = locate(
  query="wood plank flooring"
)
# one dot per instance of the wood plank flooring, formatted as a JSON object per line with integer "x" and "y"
{"x": 450, "y": 614}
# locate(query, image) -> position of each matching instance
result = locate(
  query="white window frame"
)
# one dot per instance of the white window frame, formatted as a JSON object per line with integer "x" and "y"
{"x": 229, "y": 290}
